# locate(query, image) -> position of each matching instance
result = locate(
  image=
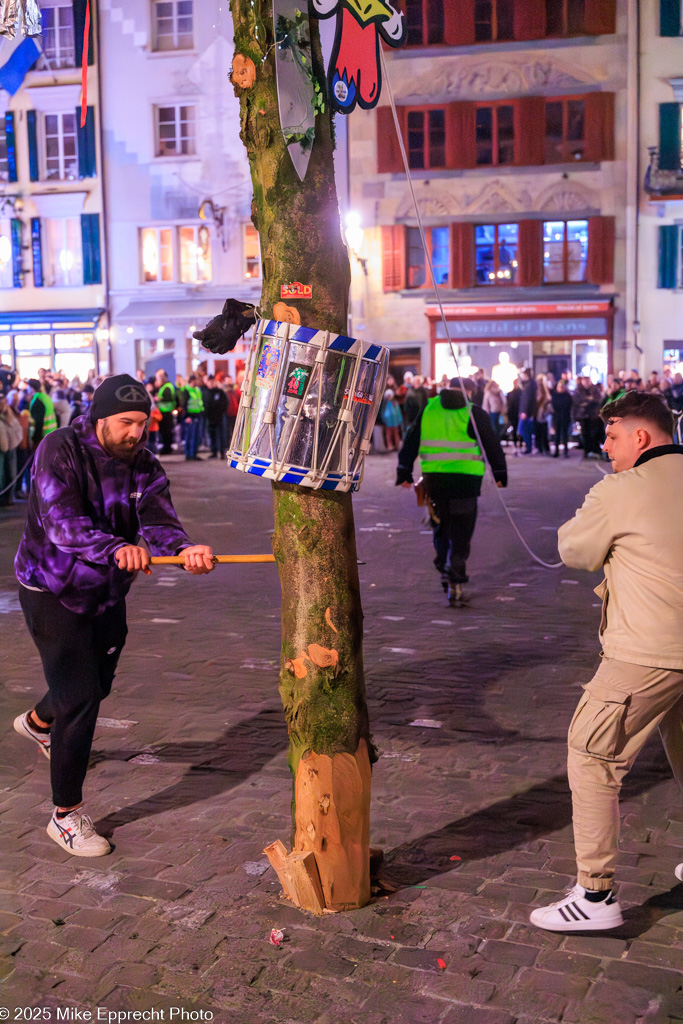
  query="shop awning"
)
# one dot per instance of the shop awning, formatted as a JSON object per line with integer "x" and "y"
{"x": 49, "y": 319}
{"x": 186, "y": 310}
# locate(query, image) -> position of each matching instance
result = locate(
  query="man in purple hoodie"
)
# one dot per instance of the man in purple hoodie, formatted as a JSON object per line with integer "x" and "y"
{"x": 95, "y": 492}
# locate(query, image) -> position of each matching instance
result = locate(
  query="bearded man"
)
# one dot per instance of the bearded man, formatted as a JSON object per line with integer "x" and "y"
{"x": 99, "y": 504}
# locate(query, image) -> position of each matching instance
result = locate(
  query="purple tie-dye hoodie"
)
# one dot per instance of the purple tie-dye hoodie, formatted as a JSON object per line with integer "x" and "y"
{"x": 84, "y": 505}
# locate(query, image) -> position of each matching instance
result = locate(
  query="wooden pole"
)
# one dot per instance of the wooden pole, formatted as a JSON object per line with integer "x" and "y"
{"x": 218, "y": 559}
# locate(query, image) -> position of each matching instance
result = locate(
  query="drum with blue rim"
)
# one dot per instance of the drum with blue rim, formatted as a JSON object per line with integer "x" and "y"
{"x": 309, "y": 402}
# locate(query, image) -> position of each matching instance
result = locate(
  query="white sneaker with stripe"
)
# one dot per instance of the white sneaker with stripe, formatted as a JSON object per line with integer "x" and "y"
{"x": 76, "y": 834}
{"x": 41, "y": 739}
{"x": 574, "y": 913}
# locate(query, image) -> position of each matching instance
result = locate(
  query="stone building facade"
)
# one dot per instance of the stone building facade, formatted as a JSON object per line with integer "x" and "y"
{"x": 513, "y": 118}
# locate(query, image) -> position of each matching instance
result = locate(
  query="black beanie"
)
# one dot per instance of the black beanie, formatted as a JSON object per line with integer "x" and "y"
{"x": 118, "y": 394}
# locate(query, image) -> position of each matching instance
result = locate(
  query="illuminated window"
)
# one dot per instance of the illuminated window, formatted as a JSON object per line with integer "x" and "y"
{"x": 6, "y": 267}
{"x": 565, "y": 131}
{"x": 195, "y": 254}
{"x": 439, "y": 245}
{"x": 493, "y": 20}
{"x": 252, "y": 252}
{"x": 156, "y": 254}
{"x": 58, "y": 36}
{"x": 172, "y": 24}
{"x": 176, "y": 130}
{"x": 565, "y": 250}
{"x": 496, "y": 253}
{"x": 424, "y": 22}
{"x": 62, "y": 254}
{"x": 61, "y": 155}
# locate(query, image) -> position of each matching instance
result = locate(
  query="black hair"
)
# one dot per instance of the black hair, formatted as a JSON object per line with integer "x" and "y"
{"x": 643, "y": 406}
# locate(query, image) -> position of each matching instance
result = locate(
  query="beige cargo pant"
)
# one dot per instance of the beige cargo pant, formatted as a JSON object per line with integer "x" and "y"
{"x": 622, "y": 705}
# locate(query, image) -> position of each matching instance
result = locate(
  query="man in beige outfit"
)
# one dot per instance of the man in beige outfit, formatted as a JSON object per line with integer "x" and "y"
{"x": 629, "y": 525}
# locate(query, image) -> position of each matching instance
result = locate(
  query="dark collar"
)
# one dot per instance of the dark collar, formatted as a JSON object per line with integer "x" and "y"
{"x": 654, "y": 453}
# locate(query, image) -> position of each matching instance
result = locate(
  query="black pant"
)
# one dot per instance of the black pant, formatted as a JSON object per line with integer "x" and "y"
{"x": 79, "y": 655}
{"x": 592, "y": 434}
{"x": 453, "y": 536}
{"x": 166, "y": 430}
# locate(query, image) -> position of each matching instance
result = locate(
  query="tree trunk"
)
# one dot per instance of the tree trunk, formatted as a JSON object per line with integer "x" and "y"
{"x": 321, "y": 679}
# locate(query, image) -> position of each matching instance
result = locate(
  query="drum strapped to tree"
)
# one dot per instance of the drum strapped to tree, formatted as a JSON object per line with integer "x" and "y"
{"x": 309, "y": 402}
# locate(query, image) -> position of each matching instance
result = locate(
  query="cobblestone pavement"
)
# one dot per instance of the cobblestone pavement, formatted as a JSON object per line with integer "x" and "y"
{"x": 189, "y": 779}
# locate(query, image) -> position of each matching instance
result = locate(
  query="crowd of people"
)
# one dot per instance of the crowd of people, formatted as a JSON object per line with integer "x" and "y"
{"x": 185, "y": 416}
{"x": 538, "y": 414}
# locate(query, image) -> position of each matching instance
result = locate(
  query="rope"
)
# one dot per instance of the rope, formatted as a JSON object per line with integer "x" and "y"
{"x": 468, "y": 404}
{"x": 17, "y": 477}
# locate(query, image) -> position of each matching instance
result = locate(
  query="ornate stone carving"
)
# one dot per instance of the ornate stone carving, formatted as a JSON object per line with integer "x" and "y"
{"x": 497, "y": 197}
{"x": 431, "y": 204}
{"x": 474, "y": 78}
{"x": 565, "y": 197}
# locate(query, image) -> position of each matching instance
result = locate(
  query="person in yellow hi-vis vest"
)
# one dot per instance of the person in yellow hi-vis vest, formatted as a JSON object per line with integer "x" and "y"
{"x": 42, "y": 412}
{"x": 453, "y": 468}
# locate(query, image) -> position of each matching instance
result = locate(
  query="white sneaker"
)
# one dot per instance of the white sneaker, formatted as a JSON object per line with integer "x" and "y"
{"x": 574, "y": 913}
{"x": 76, "y": 834}
{"x": 678, "y": 872}
{"x": 42, "y": 739}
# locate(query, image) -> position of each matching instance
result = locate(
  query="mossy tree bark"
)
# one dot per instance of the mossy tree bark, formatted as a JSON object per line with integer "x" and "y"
{"x": 321, "y": 679}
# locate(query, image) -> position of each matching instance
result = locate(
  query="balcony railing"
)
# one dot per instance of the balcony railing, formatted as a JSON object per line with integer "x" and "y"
{"x": 659, "y": 182}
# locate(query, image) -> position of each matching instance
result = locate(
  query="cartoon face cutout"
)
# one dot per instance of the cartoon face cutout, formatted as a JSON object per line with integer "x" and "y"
{"x": 243, "y": 71}
{"x": 286, "y": 314}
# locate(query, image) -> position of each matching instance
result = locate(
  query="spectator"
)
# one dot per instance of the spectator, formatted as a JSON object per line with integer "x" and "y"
{"x": 586, "y": 409}
{"x": 62, "y": 408}
{"x": 544, "y": 410}
{"x": 167, "y": 402}
{"x": 494, "y": 404}
{"x": 43, "y": 416}
{"x": 392, "y": 420}
{"x": 216, "y": 407}
{"x": 11, "y": 436}
{"x": 528, "y": 403}
{"x": 562, "y": 417}
{"x": 194, "y": 419}
{"x": 513, "y": 399}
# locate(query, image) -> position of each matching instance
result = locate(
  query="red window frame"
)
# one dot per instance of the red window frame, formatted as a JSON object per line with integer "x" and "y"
{"x": 426, "y": 9}
{"x": 427, "y": 147}
{"x": 495, "y": 134}
{"x": 495, "y": 21}
{"x": 565, "y": 254}
{"x": 566, "y": 156}
{"x": 566, "y": 9}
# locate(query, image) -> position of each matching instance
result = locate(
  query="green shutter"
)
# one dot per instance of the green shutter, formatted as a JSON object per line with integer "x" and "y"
{"x": 37, "y": 253}
{"x": 670, "y": 136}
{"x": 668, "y": 256}
{"x": 17, "y": 275}
{"x": 79, "y": 9}
{"x": 31, "y": 127}
{"x": 86, "y": 144}
{"x": 90, "y": 237}
{"x": 669, "y": 17}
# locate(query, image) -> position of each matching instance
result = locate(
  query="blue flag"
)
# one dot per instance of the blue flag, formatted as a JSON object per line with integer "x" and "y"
{"x": 13, "y": 73}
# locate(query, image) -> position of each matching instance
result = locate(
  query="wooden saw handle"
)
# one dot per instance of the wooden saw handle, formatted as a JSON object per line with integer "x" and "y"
{"x": 218, "y": 559}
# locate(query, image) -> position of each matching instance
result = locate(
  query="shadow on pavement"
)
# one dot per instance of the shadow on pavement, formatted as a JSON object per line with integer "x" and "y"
{"x": 216, "y": 766}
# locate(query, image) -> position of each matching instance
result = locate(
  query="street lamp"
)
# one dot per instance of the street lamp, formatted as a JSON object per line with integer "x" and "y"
{"x": 354, "y": 237}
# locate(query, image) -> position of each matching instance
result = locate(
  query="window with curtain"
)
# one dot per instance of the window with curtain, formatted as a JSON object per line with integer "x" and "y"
{"x": 426, "y": 139}
{"x": 176, "y": 130}
{"x": 173, "y": 25}
{"x": 156, "y": 255}
{"x": 493, "y": 20}
{"x": 565, "y": 130}
{"x": 565, "y": 251}
{"x": 496, "y": 253}
{"x": 495, "y": 133}
{"x": 58, "y": 38}
{"x": 195, "y": 254}
{"x": 424, "y": 22}
{"x": 565, "y": 17}
{"x": 62, "y": 252}
{"x": 252, "y": 252}
{"x": 60, "y": 153}
{"x": 416, "y": 263}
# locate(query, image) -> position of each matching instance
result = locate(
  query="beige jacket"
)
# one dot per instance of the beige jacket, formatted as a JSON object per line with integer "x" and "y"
{"x": 631, "y": 525}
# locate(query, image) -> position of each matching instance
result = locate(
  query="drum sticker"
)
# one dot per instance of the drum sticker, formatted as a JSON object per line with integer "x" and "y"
{"x": 296, "y": 380}
{"x": 364, "y": 397}
{"x": 296, "y": 290}
{"x": 268, "y": 364}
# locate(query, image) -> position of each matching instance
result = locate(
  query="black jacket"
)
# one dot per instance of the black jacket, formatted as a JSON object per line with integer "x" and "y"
{"x": 215, "y": 404}
{"x": 454, "y": 485}
{"x": 528, "y": 401}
